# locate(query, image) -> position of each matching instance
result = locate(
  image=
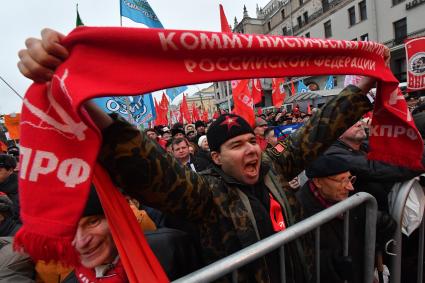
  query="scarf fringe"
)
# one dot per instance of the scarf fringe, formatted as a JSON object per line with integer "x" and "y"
{"x": 42, "y": 247}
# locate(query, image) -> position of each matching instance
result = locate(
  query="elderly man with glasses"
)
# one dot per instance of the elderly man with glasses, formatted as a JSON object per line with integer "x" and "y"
{"x": 330, "y": 182}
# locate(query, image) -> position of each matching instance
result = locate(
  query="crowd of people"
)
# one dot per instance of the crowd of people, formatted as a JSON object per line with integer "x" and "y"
{"x": 217, "y": 188}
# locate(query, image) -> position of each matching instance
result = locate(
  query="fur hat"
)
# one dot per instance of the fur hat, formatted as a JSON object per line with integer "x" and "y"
{"x": 226, "y": 127}
{"x": 201, "y": 140}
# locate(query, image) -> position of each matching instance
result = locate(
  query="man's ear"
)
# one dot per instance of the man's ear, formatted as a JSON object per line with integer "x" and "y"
{"x": 216, "y": 157}
{"x": 317, "y": 182}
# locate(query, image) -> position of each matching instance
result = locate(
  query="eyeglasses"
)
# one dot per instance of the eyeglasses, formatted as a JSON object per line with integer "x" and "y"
{"x": 344, "y": 182}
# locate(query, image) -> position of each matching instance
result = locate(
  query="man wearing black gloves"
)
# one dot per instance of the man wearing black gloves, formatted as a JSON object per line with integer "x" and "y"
{"x": 330, "y": 181}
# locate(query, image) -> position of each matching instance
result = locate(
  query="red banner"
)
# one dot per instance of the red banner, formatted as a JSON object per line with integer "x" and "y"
{"x": 415, "y": 57}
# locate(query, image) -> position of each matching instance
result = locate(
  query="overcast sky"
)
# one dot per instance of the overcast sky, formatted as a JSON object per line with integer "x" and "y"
{"x": 22, "y": 19}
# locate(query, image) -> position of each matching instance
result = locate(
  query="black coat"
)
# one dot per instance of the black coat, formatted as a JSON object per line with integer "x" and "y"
{"x": 374, "y": 177}
{"x": 10, "y": 188}
{"x": 332, "y": 240}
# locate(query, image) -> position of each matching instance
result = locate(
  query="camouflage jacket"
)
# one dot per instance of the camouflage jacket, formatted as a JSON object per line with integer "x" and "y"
{"x": 156, "y": 179}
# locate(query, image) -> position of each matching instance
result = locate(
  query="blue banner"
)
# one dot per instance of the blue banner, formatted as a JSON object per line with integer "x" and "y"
{"x": 141, "y": 107}
{"x": 329, "y": 83}
{"x": 141, "y": 12}
{"x": 281, "y": 132}
{"x": 173, "y": 92}
{"x": 302, "y": 87}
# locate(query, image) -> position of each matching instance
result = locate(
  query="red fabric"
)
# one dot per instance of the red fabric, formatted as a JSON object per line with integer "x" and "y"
{"x": 184, "y": 108}
{"x": 216, "y": 115}
{"x": 205, "y": 116}
{"x": 3, "y": 147}
{"x": 259, "y": 111}
{"x": 257, "y": 91}
{"x": 243, "y": 101}
{"x": 415, "y": 63}
{"x": 59, "y": 143}
{"x": 308, "y": 109}
{"x": 115, "y": 275}
{"x": 161, "y": 115}
{"x": 225, "y": 27}
{"x": 276, "y": 215}
{"x": 195, "y": 113}
{"x": 278, "y": 95}
{"x": 261, "y": 141}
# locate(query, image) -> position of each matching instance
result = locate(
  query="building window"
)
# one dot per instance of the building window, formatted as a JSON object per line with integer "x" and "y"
{"x": 307, "y": 35}
{"x": 352, "y": 16}
{"x": 284, "y": 31}
{"x": 362, "y": 9}
{"x": 282, "y": 13}
{"x": 325, "y": 5}
{"x": 300, "y": 21}
{"x": 400, "y": 69}
{"x": 328, "y": 29}
{"x": 305, "y": 15}
{"x": 269, "y": 25}
{"x": 301, "y": 2}
{"x": 396, "y": 2}
{"x": 364, "y": 37}
{"x": 400, "y": 30}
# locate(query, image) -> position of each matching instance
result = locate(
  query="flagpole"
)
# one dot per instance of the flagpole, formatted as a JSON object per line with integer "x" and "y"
{"x": 11, "y": 87}
{"x": 120, "y": 13}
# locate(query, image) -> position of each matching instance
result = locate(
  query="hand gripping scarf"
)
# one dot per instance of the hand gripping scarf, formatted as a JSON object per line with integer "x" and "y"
{"x": 59, "y": 143}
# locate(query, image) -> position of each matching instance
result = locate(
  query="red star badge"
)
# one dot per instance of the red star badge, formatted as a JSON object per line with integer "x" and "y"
{"x": 230, "y": 122}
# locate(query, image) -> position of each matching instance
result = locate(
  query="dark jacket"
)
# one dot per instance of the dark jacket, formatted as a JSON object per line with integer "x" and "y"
{"x": 215, "y": 204}
{"x": 14, "y": 267}
{"x": 10, "y": 188}
{"x": 374, "y": 177}
{"x": 333, "y": 268}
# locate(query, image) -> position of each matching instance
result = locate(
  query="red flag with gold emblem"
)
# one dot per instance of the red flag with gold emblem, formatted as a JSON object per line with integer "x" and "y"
{"x": 278, "y": 95}
{"x": 415, "y": 57}
{"x": 257, "y": 91}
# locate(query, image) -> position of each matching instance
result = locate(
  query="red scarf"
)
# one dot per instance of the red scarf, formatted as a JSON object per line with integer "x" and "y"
{"x": 113, "y": 275}
{"x": 276, "y": 215}
{"x": 59, "y": 143}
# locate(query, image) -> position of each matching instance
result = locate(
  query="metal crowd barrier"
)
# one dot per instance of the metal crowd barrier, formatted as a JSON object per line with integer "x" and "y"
{"x": 397, "y": 213}
{"x": 277, "y": 241}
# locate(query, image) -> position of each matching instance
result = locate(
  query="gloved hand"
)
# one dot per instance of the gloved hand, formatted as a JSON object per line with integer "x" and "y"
{"x": 385, "y": 229}
{"x": 5, "y": 203}
{"x": 343, "y": 265}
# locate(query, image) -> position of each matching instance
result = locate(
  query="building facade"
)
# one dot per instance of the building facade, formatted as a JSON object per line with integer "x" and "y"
{"x": 389, "y": 22}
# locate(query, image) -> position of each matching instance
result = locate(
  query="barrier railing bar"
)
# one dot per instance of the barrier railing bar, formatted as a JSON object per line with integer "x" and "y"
{"x": 346, "y": 231}
{"x": 421, "y": 251}
{"x": 235, "y": 276}
{"x": 317, "y": 254}
{"x": 259, "y": 249}
{"x": 282, "y": 264}
{"x": 398, "y": 208}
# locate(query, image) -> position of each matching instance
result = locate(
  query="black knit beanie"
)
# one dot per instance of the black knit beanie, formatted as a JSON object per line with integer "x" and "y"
{"x": 93, "y": 206}
{"x": 224, "y": 128}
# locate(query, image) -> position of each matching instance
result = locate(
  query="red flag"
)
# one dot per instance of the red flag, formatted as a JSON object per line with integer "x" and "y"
{"x": 223, "y": 20}
{"x": 242, "y": 99}
{"x": 181, "y": 115}
{"x": 278, "y": 96}
{"x": 415, "y": 63}
{"x": 308, "y": 109}
{"x": 216, "y": 114}
{"x": 158, "y": 113}
{"x": 195, "y": 113}
{"x": 164, "y": 101}
{"x": 257, "y": 90}
{"x": 205, "y": 116}
{"x": 259, "y": 111}
{"x": 184, "y": 109}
